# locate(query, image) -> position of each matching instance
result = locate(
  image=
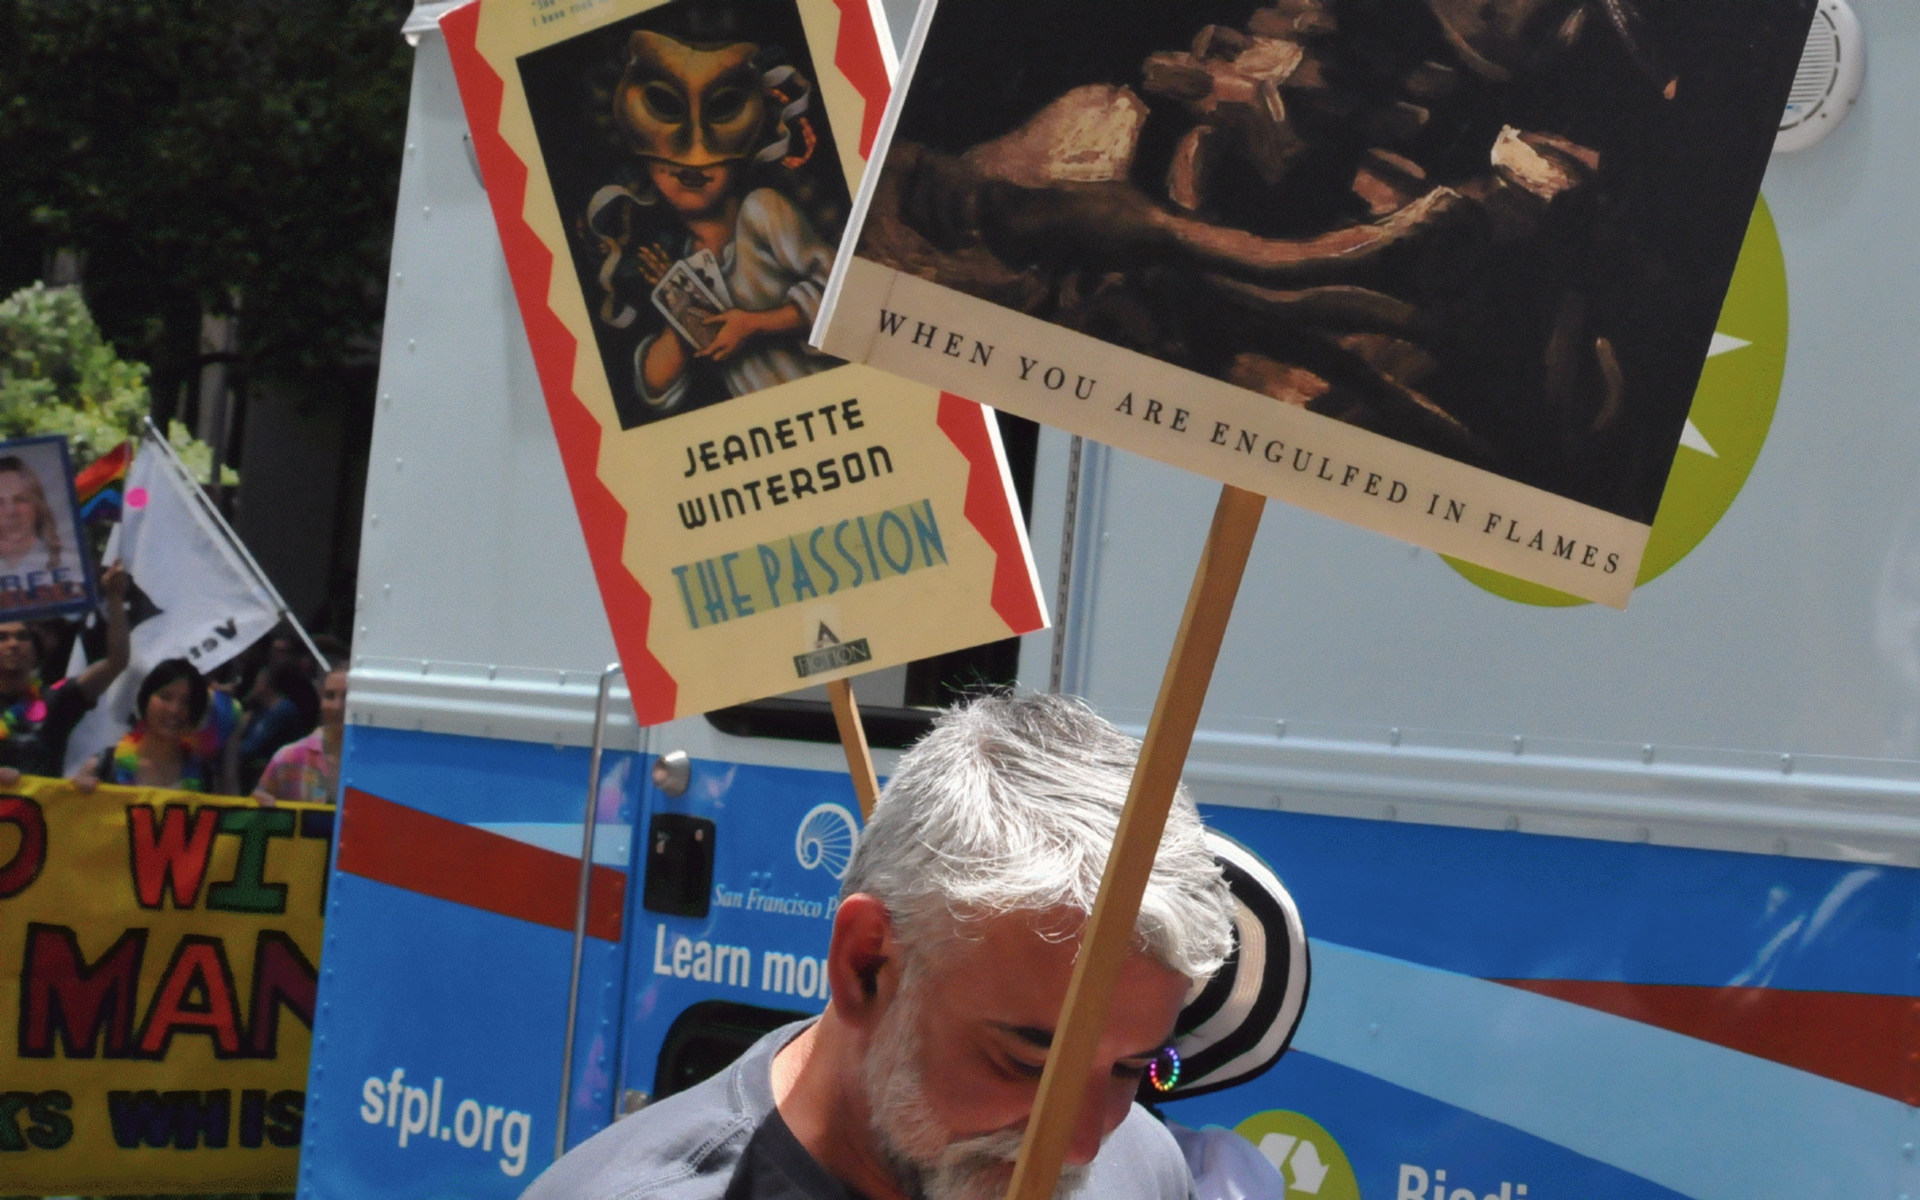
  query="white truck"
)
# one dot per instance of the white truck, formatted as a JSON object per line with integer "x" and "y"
{"x": 1601, "y": 904}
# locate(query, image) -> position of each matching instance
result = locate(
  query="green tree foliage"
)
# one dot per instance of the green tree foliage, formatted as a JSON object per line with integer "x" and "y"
{"x": 199, "y": 150}
{"x": 59, "y": 376}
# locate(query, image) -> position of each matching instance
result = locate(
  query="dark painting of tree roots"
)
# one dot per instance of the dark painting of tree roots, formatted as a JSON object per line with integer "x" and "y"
{"x": 1498, "y": 230}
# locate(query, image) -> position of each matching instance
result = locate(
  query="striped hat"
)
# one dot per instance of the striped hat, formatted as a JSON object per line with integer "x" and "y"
{"x": 1239, "y": 1024}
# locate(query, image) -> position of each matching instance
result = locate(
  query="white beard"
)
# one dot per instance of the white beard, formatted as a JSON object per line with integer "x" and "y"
{"x": 929, "y": 1161}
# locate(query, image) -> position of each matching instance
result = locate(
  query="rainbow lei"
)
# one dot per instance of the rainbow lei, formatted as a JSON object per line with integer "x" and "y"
{"x": 30, "y": 709}
{"x": 126, "y": 762}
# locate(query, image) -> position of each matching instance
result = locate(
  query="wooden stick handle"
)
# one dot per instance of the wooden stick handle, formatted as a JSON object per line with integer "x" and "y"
{"x": 853, "y": 739}
{"x": 1110, "y": 932}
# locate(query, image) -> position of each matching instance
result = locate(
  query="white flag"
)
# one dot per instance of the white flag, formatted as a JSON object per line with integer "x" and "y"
{"x": 206, "y": 604}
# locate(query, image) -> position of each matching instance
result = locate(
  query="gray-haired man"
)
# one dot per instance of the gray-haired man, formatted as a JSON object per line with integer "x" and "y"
{"x": 955, "y": 938}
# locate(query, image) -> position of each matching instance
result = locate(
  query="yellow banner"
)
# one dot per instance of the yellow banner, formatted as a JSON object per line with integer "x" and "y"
{"x": 161, "y": 949}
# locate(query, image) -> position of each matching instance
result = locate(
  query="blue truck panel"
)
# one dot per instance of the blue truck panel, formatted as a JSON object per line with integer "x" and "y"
{"x": 459, "y": 1004}
{"x": 1433, "y": 1040}
{"x": 1437, "y": 1053}
{"x": 784, "y": 839}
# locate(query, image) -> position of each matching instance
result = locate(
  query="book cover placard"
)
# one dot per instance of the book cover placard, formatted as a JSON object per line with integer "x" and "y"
{"x": 1447, "y": 269}
{"x": 670, "y": 181}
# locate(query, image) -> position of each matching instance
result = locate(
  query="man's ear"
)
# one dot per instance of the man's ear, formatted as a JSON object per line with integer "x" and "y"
{"x": 863, "y": 961}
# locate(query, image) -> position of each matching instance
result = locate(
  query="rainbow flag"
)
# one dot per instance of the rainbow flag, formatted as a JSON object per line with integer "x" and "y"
{"x": 100, "y": 483}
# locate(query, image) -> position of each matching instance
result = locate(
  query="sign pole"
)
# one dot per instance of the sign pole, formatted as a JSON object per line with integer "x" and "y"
{"x": 853, "y": 739}
{"x": 1110, "y": 931}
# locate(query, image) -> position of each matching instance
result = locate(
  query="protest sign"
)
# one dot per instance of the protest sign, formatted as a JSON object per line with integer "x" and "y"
{"x": 165, "y": 946}
{"x": 670, "y": 181}
{"x": 1447, "y": 269}
{"x": 44, "y": 566}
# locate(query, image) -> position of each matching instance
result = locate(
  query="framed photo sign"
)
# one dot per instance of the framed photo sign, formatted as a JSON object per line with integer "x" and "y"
{"x": 46, "y": 568}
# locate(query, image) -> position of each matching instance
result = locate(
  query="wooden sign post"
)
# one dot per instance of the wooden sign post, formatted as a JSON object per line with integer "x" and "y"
{"x": 853, "y": 739}
{"x": 1109, "y": 935}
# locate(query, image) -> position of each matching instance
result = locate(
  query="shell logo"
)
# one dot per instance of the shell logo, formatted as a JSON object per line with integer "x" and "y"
{"x": 826, "y": 840}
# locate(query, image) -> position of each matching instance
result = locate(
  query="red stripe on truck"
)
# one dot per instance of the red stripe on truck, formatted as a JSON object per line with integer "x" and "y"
{"x": 1843, "y": 1036}
{"x": 418, "y": 852}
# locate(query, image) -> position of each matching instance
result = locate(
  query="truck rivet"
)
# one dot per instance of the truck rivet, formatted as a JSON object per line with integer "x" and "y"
{"x": 1513, "y": 823}
{"x": 1393, "y": 812}
{"x": 1646, "y": 754}
{"x": 1279, "y": 729}
{"x": 1644, "y": 834}
{"x": 1393, "y": 737}
{"x": 1373, "y": 1030}
{"x": 1780, "y": 846}
{"x": 1786, "y": 764}
{"x": 1519, "y": 743}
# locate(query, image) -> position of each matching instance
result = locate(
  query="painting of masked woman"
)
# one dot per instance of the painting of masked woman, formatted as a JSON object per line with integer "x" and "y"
{"x": 692, "y": 161}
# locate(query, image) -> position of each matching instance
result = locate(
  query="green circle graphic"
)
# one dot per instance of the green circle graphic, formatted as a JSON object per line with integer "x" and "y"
{"x": 1732, "y": 411}
{"x": 1312, "y": 1163}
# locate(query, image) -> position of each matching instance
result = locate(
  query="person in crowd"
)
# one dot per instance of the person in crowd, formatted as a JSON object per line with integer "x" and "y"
{"x": 218, "y": 735}
{"x": 309, "y": 769}
{"x": 36, "y": 719}
{"x": 284, "y": 648}
{"x": 162, "y": 750}
{"x": 284, "y": 707}
{"x": 960, "y": 917}
{"x": 333, "y": 651}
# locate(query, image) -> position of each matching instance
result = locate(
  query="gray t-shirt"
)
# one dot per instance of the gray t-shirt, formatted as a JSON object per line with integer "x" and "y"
{"x": 723, "y": 1140}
